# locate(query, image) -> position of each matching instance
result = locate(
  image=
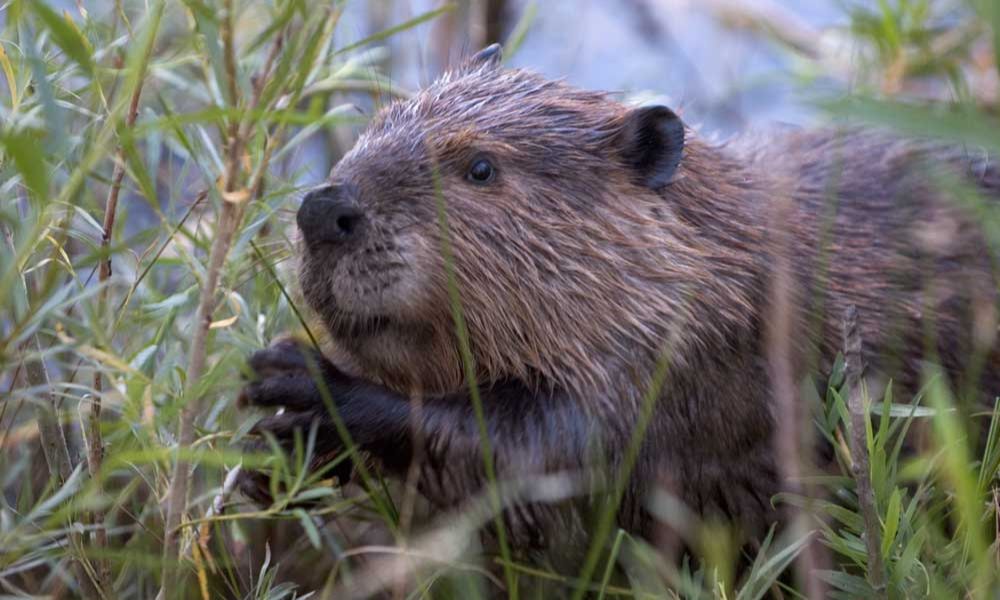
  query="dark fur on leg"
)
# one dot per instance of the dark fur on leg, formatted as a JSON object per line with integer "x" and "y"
{"x": 527, "y": 429}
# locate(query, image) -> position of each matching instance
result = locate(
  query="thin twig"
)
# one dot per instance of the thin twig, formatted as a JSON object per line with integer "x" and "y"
{"x": 92, "y": 426}
{"x": 860, "y": 468}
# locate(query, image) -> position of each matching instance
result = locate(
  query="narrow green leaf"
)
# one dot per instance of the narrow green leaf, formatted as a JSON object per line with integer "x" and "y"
{"x": 26, "y": 151}
{"x": 989, "y": 10}
{"x": 889, "y": 25}
{"x": 385, "y": 33}
{"x": 898, "y": 411}
{"x": 609, "y": 568}
{"x": 282, "y": 19}
{"x": 990, "y": 467}
{"x": 314, "y": 494}
{"x": 908, "y": 558}
{"x": 309, "y": 526}
{"x": 8, "y": 71}
{"x": 765, "y": 573}
{"x": 952, "y": 439}
{"x": 65, "y": 35}
{"x": 891, "y": 522}
{"x": 947, "y": 122}
{"x": 137, "y": 168}
{"x": 856, "y": 587}
{"x": 884, "y": 410}
{"x": 207, "y": 24}
{"x": 520, "y": 31}
{"x": 39, "y": 82}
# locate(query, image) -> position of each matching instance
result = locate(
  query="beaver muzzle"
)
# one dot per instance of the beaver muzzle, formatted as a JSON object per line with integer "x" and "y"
{"x": 330, "y": 216}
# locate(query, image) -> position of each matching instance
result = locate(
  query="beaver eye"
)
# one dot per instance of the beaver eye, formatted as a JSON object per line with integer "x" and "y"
{"x": 481, "y": 171}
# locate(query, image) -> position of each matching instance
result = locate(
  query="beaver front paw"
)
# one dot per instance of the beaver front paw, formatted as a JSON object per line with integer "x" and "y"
{"x": 300, "y": 382}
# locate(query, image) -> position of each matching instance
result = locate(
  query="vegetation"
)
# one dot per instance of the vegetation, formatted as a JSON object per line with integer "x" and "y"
{"x": 148, "y": 170}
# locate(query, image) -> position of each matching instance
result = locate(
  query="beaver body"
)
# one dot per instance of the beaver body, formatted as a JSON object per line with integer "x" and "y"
{"x": 601, "y": 251}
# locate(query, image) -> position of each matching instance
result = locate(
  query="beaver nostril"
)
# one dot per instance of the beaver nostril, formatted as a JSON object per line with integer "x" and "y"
{"x": 346, "y": 224}
{"x": 329, "y": 215}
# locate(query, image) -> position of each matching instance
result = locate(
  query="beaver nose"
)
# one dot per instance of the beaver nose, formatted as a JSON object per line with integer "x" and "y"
{"x": 329, "y": 215}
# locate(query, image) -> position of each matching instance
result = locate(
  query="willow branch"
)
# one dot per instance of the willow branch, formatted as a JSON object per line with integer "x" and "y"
{"x": 234, "y": 197}
{"x": 229, "y": 220}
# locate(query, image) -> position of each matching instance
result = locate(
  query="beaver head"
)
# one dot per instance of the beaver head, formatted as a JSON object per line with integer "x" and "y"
{"x": 545, "y": 202}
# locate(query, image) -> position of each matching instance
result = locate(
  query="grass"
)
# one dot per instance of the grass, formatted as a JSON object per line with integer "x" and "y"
{"x": 147, "y": 178}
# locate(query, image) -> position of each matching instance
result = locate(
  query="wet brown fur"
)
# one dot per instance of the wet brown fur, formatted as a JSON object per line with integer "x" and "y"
{"x": 575, "y": 278}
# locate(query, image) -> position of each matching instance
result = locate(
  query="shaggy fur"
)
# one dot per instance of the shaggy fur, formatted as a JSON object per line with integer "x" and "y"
{"x": 577, "y": 275}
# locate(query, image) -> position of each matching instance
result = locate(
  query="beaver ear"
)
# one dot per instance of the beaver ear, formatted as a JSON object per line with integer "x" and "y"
{"x": 487, "y": 58}
{"x": 652, "y": 142}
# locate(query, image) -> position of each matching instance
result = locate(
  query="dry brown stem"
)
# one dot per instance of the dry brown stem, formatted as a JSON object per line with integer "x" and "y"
{"x": 792, "y": 420}
{"x": 860, "y": 469}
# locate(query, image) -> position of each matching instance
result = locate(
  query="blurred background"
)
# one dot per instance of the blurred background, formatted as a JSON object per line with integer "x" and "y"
{"x": 692, "y": 53}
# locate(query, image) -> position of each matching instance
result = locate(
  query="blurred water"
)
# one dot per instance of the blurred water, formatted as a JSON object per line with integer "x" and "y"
{"x": 723, "y": 79}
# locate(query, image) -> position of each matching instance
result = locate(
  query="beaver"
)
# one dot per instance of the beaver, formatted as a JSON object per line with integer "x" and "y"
{"x": 595, "y": 252}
